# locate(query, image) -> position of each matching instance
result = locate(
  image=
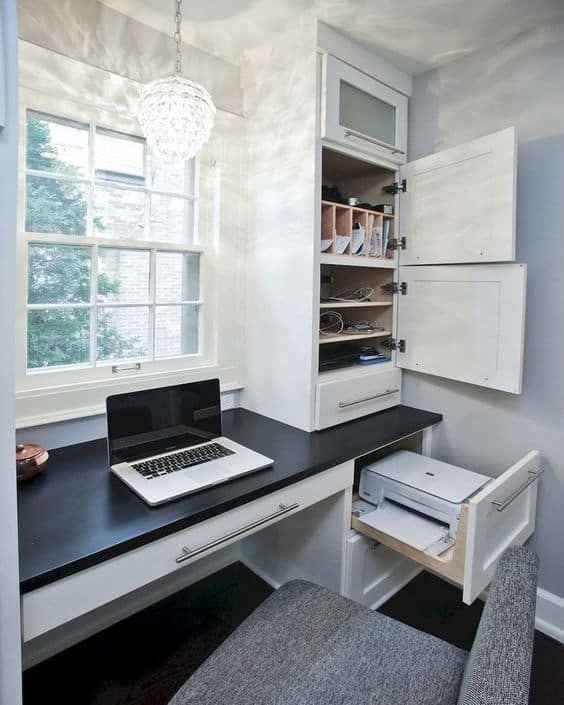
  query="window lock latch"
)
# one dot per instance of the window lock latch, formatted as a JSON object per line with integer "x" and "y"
{"x": 118, "y": 369}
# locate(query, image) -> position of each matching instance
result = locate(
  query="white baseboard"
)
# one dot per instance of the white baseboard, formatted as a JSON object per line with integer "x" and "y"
{"x": 550, "y": 614}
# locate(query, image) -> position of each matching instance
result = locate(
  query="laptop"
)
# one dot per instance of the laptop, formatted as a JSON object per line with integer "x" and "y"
{"x": 165, "y": 443}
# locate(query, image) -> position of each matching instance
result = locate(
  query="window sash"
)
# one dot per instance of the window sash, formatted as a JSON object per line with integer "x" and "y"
{"x": 152, "y": 302}
{"x": 94, "y": 241}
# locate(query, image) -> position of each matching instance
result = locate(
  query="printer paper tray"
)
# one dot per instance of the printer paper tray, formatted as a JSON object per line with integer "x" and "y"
{"x": 409, "y": 527}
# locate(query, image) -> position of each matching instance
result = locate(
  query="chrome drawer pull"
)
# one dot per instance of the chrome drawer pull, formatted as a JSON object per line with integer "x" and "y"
{"x": 373, "y": 140}
{"x": 501, "y": 505}
{"x": 190, "y": 553}
{"x": 344, "y": 404}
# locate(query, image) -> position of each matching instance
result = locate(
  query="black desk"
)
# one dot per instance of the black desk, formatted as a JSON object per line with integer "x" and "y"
{"x": 77, "y": 514}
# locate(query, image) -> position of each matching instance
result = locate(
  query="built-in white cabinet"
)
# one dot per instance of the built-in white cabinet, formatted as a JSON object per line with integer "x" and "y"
{"x": 360, "y": 112}
{"x": 446, "y": 297}
{"x": 430, "y": 243}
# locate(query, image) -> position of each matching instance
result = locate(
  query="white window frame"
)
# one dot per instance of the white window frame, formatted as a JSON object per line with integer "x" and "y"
{"x": 79, "y": 391}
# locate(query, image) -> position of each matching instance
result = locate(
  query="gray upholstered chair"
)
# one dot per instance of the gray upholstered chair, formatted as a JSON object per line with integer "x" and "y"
{"x": 305, "y": 645}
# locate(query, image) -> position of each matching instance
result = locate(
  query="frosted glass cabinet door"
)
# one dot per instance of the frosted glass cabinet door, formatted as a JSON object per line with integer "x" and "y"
{"x": 459, "y": 204}
{"x": 363, "y": 113}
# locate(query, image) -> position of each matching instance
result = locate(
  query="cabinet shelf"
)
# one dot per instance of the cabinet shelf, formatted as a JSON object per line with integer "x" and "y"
{"x": 357, "y": 261}
{"x": 324, "y": 339}
{"x": 356, "y": 208}
{"x": 354, "y": 304}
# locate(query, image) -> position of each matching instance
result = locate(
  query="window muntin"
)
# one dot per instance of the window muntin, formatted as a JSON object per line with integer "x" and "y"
{"x": 97, "y": 302}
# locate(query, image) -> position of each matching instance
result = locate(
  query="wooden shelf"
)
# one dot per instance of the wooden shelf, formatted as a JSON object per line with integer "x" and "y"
{"x": 356, "y": 208}
{"x": 324, "y": 339}
{"x": 358, "y": 261}
{"x": 354, "y": 304}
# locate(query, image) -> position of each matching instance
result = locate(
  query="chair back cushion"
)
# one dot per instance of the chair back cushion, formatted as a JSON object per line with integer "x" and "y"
{"x": 498, "y": 670}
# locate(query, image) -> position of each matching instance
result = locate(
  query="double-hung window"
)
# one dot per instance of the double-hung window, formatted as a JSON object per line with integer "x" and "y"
{"x": 112, "y": 255}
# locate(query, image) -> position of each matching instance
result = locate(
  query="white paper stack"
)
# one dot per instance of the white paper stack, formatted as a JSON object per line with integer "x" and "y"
{"x": 405, "y": 526}
{"x": 357, "y": 242}
{"x": 376, "y": 242}
{"x": 341, "y": 243}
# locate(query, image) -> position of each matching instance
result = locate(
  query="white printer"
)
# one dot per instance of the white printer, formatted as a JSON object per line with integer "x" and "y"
{"x": 407, "y": 494}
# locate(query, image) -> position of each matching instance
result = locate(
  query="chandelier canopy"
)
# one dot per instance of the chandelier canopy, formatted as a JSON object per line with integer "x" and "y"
{"x": 176, "y": 114}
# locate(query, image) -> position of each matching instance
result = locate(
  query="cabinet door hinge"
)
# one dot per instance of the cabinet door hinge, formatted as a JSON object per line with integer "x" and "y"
{"x": 393, "y": 344}
{"x": 395, "y": 288}
{"x": 396, "y": 187}
{"x": 397, "y": 244}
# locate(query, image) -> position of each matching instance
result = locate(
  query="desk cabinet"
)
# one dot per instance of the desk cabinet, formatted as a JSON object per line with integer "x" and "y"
{"x": 64, "y": 600}
{"x": 375, "y": 572}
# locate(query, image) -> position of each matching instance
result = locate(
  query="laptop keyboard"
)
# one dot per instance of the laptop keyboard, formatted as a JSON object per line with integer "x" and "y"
{"x": 179, "y": 461}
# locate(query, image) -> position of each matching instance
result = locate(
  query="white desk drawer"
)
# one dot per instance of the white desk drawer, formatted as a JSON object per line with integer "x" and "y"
{"x": 500, "y": 515}
{"x": 346, "y": 399}
{"x": 59, "y": 602}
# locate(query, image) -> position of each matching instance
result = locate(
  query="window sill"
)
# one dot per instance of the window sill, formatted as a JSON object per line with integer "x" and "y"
{"x": 38, "y": 407}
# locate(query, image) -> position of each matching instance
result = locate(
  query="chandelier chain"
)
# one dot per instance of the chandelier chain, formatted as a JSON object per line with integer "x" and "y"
{"x": 175, "y": 113}
{"x": 177, "y": 37}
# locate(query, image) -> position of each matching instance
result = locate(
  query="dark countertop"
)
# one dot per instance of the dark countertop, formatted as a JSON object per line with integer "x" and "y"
{"x": 77, "y": 513}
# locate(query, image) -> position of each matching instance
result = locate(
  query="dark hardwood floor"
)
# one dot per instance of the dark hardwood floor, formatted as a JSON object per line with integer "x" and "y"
{"x": 144, "y": 659}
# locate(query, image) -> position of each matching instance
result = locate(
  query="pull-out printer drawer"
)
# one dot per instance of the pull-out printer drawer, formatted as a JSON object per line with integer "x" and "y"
{"x": 499, "y": 515}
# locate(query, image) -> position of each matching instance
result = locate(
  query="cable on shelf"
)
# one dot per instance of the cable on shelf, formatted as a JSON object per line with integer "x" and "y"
{"x": 331, "y": 323}
{"x": 363, "y": 293}
{"x": 362, "y": 327}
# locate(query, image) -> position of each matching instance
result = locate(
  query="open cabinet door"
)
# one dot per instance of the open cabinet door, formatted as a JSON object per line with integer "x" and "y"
{"x": 499, "y": 516}
{"x": 464, "y": 322}
{"x": 459, "y": 204}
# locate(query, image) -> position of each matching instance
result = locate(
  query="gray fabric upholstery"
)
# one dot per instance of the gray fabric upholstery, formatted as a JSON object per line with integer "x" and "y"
{"x": 306, "y": 645}
{"x": 499, "y": 667}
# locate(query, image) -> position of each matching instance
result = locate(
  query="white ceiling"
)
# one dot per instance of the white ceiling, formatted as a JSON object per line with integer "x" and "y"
{"x": 415, "y": 34}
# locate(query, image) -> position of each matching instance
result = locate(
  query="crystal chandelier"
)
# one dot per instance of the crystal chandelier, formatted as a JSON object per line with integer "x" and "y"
{"x": 176, "y": 114}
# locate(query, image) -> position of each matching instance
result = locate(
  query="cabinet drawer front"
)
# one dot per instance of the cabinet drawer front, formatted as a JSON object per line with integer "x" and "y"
{"x": 375, "y": 572}
{"x": 499, "y": 516}
{"x": 50, "y": 606}
{"x": 343, "y": 400}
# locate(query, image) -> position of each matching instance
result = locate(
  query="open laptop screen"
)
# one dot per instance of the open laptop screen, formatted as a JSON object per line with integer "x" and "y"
{"x": 141, "y": 424}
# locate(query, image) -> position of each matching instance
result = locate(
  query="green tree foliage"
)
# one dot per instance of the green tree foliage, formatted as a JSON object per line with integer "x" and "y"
{"x": 52, "y": 206}
{"x": 61, "y": 274}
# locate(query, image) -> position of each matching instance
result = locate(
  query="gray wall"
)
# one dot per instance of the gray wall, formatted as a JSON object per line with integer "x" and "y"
{"x": 519, "y": 83}
{"x": 10, "y": 681}
{"x": 123, "y": 45}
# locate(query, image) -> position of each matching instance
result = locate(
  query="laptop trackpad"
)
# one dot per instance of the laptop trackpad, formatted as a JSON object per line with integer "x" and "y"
{"x": 208, "y": 473}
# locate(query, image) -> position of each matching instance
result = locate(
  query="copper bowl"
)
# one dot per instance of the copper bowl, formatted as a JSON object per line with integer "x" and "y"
{"x": 31, "y": 459}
